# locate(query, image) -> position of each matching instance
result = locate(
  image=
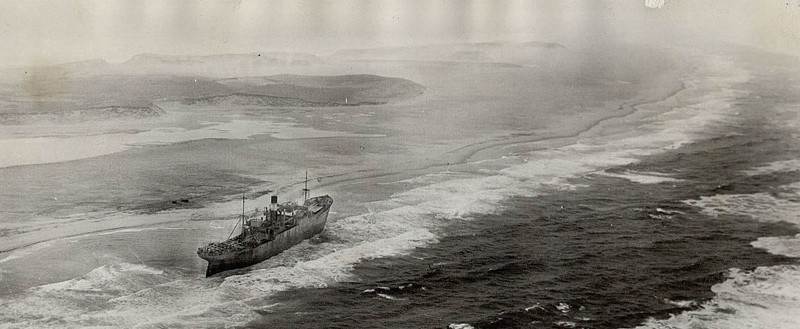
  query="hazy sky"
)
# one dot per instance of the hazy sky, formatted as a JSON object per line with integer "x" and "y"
{"x": 44, "y": 31}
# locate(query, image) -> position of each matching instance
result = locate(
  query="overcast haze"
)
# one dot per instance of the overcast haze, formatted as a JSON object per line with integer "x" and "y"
{"x": 41, "y": 32}
{"x": 484, "y": 156}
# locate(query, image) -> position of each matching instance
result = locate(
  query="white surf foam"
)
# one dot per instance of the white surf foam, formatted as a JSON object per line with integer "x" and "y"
{"x": 681, "y": 303}
{"x": 460, "y": 326}
{"x": 404, "y": 222}
{"x": 63, "y": 304}
{"x": 775, "y": 167}
{"x": 39, "y": 150}
{"x": 304, "y": 132}
{"x": 780, "y": 206}
{"x": 787, "y": 246}
{"x": 428, "y": 179}
{"x": 767, "y": 207}
{"x": 535, "y": 306}
{"x": 643, "y": 177}
{"x": 390, "y": 297}
{"x": 102, "y": 280}
{"x": 20, "y": 253}
{"x": 135, "y": 230}
{"x": 767, "y": 297}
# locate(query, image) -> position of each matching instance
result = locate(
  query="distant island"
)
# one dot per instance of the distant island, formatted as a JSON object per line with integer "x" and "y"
{"x": 97, "y": 90}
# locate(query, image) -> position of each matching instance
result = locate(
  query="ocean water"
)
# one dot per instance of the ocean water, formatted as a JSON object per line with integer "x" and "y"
{"x": 677, "y": 214}
{"x": 614, "y": 252}
{"x": 693, "y": 226}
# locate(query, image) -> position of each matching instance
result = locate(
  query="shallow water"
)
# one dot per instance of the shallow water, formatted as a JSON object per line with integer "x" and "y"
{"x": 595, "y": 224}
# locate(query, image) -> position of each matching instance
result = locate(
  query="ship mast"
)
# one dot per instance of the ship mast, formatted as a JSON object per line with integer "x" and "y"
{"x": 243, "y": 231}
{"x": 306, "y": 190}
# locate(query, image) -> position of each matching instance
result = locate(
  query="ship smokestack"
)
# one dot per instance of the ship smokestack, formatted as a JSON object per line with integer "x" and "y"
{"x": 273, "y": 209}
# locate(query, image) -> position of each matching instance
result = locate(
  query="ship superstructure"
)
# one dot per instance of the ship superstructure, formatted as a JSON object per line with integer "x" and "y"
{"x": 268, "y": 232}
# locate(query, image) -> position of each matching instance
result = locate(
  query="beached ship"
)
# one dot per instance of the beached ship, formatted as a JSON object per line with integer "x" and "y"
{"x": 268, "y": 232}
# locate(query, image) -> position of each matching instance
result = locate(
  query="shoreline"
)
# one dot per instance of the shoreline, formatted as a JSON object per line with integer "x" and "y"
{"x": 466, "y": 155}
{"x": 403, "y": 221}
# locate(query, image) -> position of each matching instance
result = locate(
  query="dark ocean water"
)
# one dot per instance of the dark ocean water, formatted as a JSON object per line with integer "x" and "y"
{"x": 592, "y": 250}
{"x": 610, "y": 254}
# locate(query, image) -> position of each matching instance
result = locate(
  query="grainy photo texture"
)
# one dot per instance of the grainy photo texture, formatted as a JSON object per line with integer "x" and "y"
{"x": 400, "y": 164}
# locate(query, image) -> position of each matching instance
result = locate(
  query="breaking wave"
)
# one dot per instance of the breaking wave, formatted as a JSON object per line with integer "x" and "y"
{"x": 775, "y": 167}
{"x": 643, "y": 177}
{"x": 135, "y": 295}
{"x": 766, "y": 297}
{"x": 763, "y": 298}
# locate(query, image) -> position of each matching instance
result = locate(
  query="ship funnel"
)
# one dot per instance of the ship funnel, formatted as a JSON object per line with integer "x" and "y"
{"x": 273, "y": 206}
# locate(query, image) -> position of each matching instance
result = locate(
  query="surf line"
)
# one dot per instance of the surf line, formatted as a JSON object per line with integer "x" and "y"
{"x": 466, "y": 153}
{"x": 526, "y": 138}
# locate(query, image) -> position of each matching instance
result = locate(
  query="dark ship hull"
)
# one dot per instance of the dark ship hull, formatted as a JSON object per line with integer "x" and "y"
{"x": 262, "y": 248}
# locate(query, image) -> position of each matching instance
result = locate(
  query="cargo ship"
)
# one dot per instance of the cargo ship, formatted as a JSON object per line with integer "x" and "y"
{"x": 268, "y": 232}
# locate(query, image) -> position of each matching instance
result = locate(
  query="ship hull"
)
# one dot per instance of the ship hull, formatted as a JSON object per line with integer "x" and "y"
{"x": 305, "y": 229}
